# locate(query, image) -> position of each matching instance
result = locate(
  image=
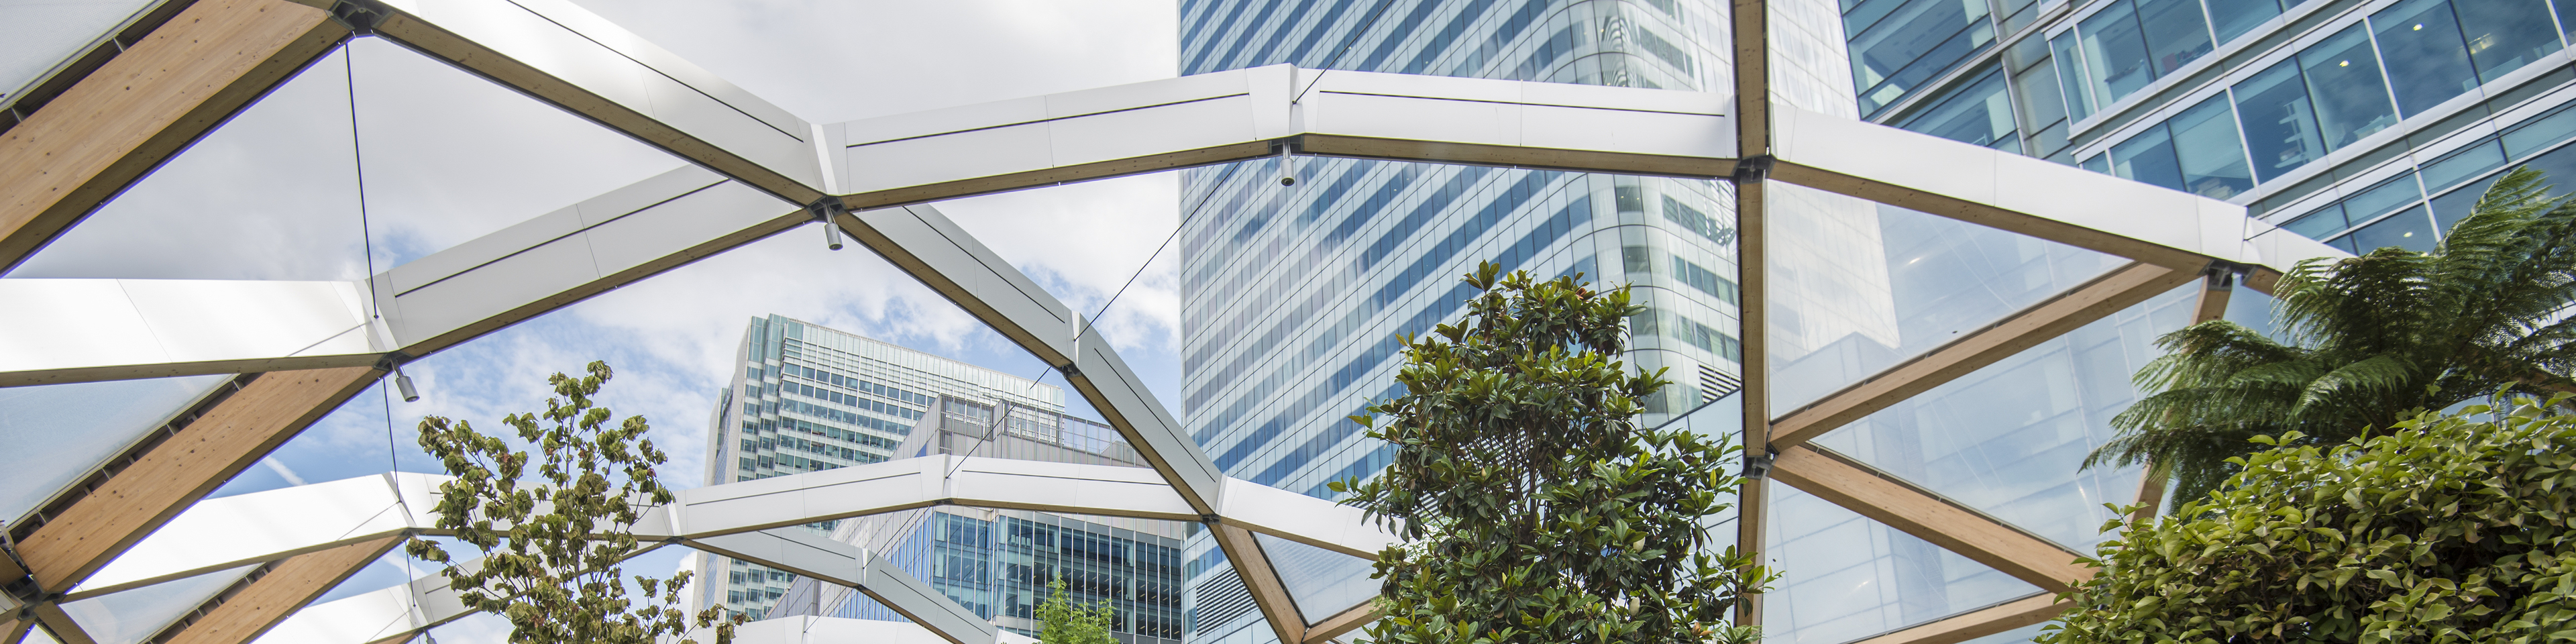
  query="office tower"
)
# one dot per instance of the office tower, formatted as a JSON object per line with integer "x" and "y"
{"x": 806, "y": 398}
{"x": 999, "y": 563}
{"x": 1294, "y": 296}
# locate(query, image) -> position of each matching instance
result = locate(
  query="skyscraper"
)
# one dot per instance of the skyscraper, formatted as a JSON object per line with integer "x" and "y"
{"x": 1294, "y": 296}
{"x": 999, "y": 563}
{"x": 807, "y": 398}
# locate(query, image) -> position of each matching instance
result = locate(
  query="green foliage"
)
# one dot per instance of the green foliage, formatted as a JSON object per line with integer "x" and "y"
{"x": 2445, "y": 529}
{"x": 1533, "y": 506}
{"x": 551, "y": 547}
{"x": 2378, "y": 337}
{"x": 1064, "y": 622}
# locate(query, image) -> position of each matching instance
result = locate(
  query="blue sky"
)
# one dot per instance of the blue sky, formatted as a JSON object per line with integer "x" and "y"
{"x": 447, "y": 157}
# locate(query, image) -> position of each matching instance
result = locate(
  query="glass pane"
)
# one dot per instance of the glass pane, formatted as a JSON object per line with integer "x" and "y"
{"x": 2320, "y": 224}
{"x": 57, "y": 433}
{"x": 2541, "y": 132}
{"x": 134, "y": 615}
{"x": 2461, "y": 165}
{"x": 1859, "y": 286}
{"x": 35, "y": 36}
{"x": 2176, "y": 33}
{"x": 1979, "y": 113}
{"x": 2147, "y": 158}
{"x": 2021, "y": 635}
{"x": 2070, "y": 73}
{"x": 2427, "y": 61}
{"x": 2280, "y": 129}
{"x": 2233, "y": 18}
{"x": 2504, "y": 35}
{"x": 1323, "y": 582}
{"x": 2115, "y": 53}
{"x": 2343, "y": 77}
{"x": 2410, "y": 229}
{"x": 2010, "y": 439}
{"x": 2211, "y": 155}
{"x": 1846, "y": 577}
{"x": 2043, "y": 102}
{"x": 1913, "y": 45}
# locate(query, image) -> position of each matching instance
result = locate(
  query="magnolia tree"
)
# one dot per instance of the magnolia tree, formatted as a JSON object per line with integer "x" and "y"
{"x": 551, "y": 545}
{"x": 1533, "y": 506}
{"x": 2443, "y": 528}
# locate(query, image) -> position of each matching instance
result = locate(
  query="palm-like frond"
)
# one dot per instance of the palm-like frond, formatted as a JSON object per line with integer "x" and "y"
{"x": 2373, "y": 338}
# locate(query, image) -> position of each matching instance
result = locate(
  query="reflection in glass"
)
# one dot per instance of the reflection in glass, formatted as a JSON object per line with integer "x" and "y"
{"x": 2212, "y": 157}
{"x": 2070, "y": 74}
{"x": 2010, "y": 439}
{"x": 2323, "y": 223}
{"x": 2427, "y": 61}
{"x": 2280, "y": 128}
{"x": 2409, "y": 229}
{"x": 1979, "y": 113}
{"x": 2115, "y": 53}
{"x": 2232, "y": 18}
{"x": 132, "y": 616}
{"x": 2343, "y": 77}
{"x": 2024, "y": 634}
{"x": 2504, "y": 35}
{"x": 2382, "y": 198}
{"x": 2147, "y": 158}
{"x": 57, "y": 433}
{"x": 1857, "y": 286}
{"x": 2176, "y": 33}
{"x": 1913, "y": 44}
{"x": 1845, "y": 577}
{"x": 1323, "y": 582}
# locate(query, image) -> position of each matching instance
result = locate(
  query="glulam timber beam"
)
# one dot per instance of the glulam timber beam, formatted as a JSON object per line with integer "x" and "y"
{"x": 1913, "y": 510}
{"x": 1978, "y": 623}
{"x": 236, "y": 432}
{"x": 145, "y": 105}
{"x": 2102, "y": 296}
{"x": 1269, "y": 593}
{"x": 1342, "y": 623}
{"x": 241, "y": 614}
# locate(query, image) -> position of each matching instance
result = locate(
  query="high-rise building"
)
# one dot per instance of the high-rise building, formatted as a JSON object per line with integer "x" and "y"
{"x": 999, "y": 563}
{"x": 806, "y": 398}
{"x": 1294, "y": 297}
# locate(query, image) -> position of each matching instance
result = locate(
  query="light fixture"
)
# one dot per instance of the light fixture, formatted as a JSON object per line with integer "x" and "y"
{"x": 403, "y": 382}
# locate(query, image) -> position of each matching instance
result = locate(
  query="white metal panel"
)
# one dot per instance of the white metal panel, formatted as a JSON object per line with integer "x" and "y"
{"x": 544, "y": 44}
{"x": 1297, "y": 517}
{"x": 947, "y": 120}
{"x": 250, "y": 528}
{"x": 481, "y": 250}
{"x": 55, "y": 324}
{"x": 1152, "y": 130}
{"x": 948, "y": 157}
{"x": 1414, "y": 119}
{"x": 1155, "y": 92}
{"x": 808, "y": 629}
{"x": 948, "y": 250}
{"x": 1636, "y": 132}
{"x": 491, "y": 289}
{"x": 809, "y": 497}
{"x": 1090, "y": 489}
{"x": 1718, "y": 103}
{"x": 1149, "y": 425}
{"x": 598, "y": 29}
{"x": 925, "y": 605}
{"x": 668, "y": 228}
{"x": 644, "y": 194}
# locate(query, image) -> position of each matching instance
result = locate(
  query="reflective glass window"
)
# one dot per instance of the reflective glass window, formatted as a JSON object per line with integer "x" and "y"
{"x": 1913, "y": 44}
{"x": 2070, "y": 74}
{"x": 2147, "y": 158}
{"x": 2280, "y": 127}
{"x": 2459, "y": 166}
{"x": 2504, "y": 35}
{"x": 2232, "y": 18}
{"x": 2343, "y": 78}
{"x": 2410, "y": 229}
{"x": 2536, "y": 134}
{"x": 1846, "y": 577}
{"x": 2212, "y": 158}
{"x": 2176, "y": 33}
{"x": 1979, "y": 113}
{"x": 2384, "y": 197}
{"x": 2115, "y": 53}
{"x": 2098, "y": 163}
{"x": 2320, "y": 224}
{"x": 2427, "y": 61}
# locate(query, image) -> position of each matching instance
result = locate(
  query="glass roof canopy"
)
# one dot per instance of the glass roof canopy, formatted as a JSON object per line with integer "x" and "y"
{"x": 2000, "y": 272}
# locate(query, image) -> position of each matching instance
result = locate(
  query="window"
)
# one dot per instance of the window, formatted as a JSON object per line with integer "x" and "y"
{"x": 2428, "y": 62}
{"x": 2343, "y": 80}
{"x": 2070, "y": 75}
{"x": 2232, "y": 18}
{"x": 1978, "y": 113}
{"x": 2042, "y": 101}
{"x": 2280, "y": 128}
{"x": 2504, "y": 35}
{"x": 2211, "y": 157}
{"x": 2410, "y": 229}
{"x": 1896, "y": 48}
{"x": 2130, "y": 44}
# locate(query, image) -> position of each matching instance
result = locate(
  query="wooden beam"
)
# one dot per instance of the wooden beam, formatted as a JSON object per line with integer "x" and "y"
{"x": 243, "y": 613}
{"x": 144, "y": 106}
{"x": 2101, "y": 297}
{"x": 1270, "y": 594}
{"x": 1927, "y": 516}
{"x": 207, "y": 452}
{"x": 1991, "y": 216}
{"x": 12, "y": 630}
{"x": 1339, "y": 624}
{"x": 60, "y": 624}
{"x": 1978, "y": 623}
{"x": 2215, "y": 288}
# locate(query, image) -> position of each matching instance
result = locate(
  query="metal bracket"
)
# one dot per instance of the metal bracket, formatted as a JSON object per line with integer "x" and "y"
{"x": 824, "y": 210}
{"x": 2221, "y": 275}
{"x": 1753, "y": 168}
{"x": 361, "y": 16}
{"x": 1070, "y": 371}
{"x": 393, "y": 359}
{"x": 1756, "y": 467}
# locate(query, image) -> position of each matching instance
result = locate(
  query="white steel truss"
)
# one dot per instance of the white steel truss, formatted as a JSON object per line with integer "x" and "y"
{"x": 761, "y": 171}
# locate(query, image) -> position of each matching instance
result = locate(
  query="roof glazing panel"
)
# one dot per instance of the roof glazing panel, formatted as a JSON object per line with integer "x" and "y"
{"x": 1323, "y": 582}
{"x": 58, "y": 433}
{"x": 1846, "y": 577}
{"x": 135, "y": 615}
{"x": 36, "y": 35}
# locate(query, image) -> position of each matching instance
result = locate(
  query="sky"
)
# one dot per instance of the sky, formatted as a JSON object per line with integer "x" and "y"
{"x": 445, "y": 157}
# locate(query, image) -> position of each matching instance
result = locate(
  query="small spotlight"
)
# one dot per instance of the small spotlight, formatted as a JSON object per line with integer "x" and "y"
{"x": 831, "y": 235}
{"x": 1287, "y": 181}
{"x": 403, "y": 382}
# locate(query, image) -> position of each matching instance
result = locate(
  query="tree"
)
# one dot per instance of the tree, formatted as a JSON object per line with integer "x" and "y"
{"x": 2443, "y": 529}
{"x": 1533, "y": 506}
{"x": 551, "y": 547}
{"x": 1064, "y": 622}
{"x": 2376, "y": 338}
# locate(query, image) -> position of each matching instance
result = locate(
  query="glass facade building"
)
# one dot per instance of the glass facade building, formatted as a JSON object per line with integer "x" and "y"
{"x": 999, "y": 563}
{"x": 807, "y": 398}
